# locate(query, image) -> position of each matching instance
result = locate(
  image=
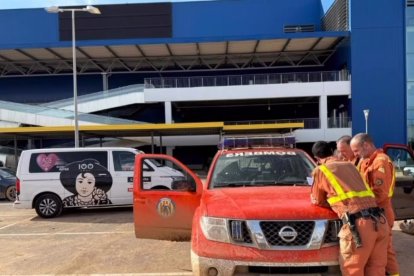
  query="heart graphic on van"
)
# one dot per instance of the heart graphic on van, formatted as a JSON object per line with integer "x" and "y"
{"x": 46, "y": 162}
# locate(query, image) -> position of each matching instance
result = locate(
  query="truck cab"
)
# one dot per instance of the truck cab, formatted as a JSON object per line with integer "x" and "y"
{"x": 252, "y": 214}
{"x": 403, "y": 199}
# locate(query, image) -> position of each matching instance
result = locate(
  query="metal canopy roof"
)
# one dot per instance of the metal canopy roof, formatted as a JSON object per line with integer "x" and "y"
{"x": 170, "y": 57}
{"x": 143, "y": 130}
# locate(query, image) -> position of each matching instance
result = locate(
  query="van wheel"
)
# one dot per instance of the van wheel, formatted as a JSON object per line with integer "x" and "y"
{"x": 48, "y": 206}
{"x": 11, "y": 193}
{"x": 159, "y": 188}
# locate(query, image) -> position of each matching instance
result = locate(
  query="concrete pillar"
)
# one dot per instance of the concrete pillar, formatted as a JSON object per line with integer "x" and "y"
{"x": 169, "y": 150}
{"x": 30, "y": 143}
{"x": 104, "y": 81}
{"x": 15, "y": 153}
{"x": 152, "y": 142}
{"x": 168, "y": 112}
{"x": 323, "y": 112}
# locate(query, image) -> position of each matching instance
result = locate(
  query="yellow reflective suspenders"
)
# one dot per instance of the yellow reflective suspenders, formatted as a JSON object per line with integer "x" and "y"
{"x": 340, "y": 194}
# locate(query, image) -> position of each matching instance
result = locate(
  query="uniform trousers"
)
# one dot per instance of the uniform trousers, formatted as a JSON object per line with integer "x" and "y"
{"x": 369, "y": 259}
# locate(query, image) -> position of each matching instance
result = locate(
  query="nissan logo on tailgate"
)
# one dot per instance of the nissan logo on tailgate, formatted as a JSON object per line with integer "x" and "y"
{"x": 288, "y": 234}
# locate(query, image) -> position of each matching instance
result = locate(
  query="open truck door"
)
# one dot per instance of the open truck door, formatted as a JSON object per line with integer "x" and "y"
{"x": 403, "y": 199}
{"x": 165, "y": 214}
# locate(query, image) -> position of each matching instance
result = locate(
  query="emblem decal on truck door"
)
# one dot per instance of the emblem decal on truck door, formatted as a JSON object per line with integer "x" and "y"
{"x": 165, "y": 207}
{"x": 88, "y": 181}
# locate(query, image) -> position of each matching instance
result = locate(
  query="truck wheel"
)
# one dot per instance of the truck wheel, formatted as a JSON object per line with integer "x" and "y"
{"x": 48, "y": 206}
{"x": 11, "y": 193}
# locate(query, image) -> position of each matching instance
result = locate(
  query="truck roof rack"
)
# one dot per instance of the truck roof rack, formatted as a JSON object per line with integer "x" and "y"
{"x": 246, "y": 141}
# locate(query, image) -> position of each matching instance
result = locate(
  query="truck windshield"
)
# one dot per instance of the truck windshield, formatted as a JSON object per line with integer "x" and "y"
{"x": 262, "y": 169}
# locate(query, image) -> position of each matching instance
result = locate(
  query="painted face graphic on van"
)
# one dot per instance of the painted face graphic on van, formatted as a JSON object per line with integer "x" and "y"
{"x": 85, "y": 184}
{"x": 88, "y": 181}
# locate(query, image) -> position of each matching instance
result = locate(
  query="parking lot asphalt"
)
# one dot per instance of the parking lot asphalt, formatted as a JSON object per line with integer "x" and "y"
{"x": 84, "y": 242}
{"x": 96, "y": 242}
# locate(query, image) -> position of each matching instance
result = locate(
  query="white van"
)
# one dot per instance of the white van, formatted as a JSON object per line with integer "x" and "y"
{"x": 50, "y": 180}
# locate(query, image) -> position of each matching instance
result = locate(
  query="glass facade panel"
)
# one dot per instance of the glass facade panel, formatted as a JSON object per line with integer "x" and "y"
{"x": 410, "y": 73}
{"x": 410, "y": 39}
{"x": 410, "y": 67}
{"x": 410, "y": 112}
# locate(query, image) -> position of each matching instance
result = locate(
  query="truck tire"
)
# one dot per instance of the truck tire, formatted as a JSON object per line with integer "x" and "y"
{"x": 48, "y": 206}
{"x": 11, "y": 193}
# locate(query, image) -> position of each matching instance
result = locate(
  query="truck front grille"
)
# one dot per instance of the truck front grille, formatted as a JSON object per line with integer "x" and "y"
{"x": 239, "y": 231}
{"x": 334, "y": 226}
{"x": 287, "y": 233}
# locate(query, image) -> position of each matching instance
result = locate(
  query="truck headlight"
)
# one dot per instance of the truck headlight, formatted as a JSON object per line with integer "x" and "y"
{"x": 215, "y": 229}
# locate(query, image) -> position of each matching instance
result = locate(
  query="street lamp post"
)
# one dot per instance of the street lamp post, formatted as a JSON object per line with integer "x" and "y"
{"x": 366, "y": 113}
{"x": 92, "y": 10}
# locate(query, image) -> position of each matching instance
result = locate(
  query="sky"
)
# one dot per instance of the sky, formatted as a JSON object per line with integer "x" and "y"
{"x": 22, "y": 4}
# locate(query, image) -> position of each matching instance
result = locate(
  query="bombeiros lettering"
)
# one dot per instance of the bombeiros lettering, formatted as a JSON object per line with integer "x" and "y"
{"x": 258, "y": 153}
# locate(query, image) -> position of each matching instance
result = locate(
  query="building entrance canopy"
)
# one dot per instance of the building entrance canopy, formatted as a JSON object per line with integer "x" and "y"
{"x": 293, "y": 50}
{"x": 141, "y": 130}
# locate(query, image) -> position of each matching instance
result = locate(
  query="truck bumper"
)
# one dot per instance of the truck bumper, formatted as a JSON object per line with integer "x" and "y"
{"x": 220, "y": 267}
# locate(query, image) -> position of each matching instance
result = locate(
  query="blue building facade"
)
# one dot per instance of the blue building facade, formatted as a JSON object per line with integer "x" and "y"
{"x": 409, "y": 63}
{"x": 224, "y": 38}
{"x": 379, "y": 69}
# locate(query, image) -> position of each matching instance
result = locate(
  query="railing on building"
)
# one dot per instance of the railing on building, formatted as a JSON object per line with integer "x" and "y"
{"x": 258, "y": 122}
{"x": 37, "y": 110}
{"x": 230, "y": 80}
{"x": 339, "y": 122}
{"x": 97, "y": 95}
{"x": 309, "y": 123}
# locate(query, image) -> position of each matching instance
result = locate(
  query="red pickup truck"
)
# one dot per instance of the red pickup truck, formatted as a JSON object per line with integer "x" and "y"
{"x": 252, "y": 215}
{"x": 403, "y": 198}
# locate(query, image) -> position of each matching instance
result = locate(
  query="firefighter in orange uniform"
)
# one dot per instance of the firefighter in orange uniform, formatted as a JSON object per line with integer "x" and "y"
{"x": 365, "y": 233}
{"x": 378, "y": 171}
{"x": 344, "y": 149}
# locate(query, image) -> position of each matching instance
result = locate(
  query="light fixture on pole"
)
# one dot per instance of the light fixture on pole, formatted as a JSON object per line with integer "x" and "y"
{"x": 366, "y": 113}
{"x": 92, "y": 10}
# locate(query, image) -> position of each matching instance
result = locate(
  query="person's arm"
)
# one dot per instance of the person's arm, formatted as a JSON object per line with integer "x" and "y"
{"x": 380, "y": 179}
{"x": 318, "y": 194}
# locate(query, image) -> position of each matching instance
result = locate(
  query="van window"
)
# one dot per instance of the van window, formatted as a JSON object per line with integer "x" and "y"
{"x": 146, "y": 167}
{"x": 123, "y": 160}
{"x": 55, "y": 161}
